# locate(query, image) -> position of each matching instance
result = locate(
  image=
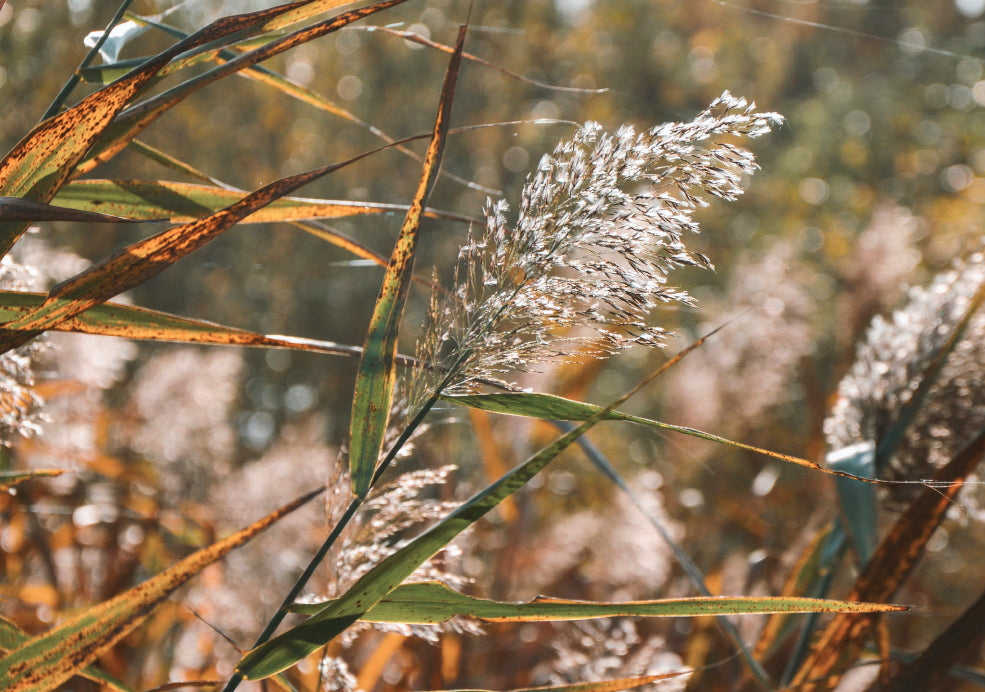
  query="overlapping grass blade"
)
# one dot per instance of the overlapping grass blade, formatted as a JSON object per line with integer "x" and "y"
{"x": 20, "y": 209}
{"x": 888, "y": 570}
{"x": 376, "y": 374}
{"x": 73, "y": 80}
{"x": 693, "y": 572}
{"x": 12, "y": 636}
{"x": 8, "y": 479}
{"x": 147, "y": 258}
{"x": 44, "y": 662}
{"x": 183, "y": 202}
{"x": 550, "y": 407}
{"x": 46, "y": 157}
{"x": 131, "y": 322}
{"x": 290, "y": 647}
{"x": 135, "y": 119}
{"x": 434, "y": 602}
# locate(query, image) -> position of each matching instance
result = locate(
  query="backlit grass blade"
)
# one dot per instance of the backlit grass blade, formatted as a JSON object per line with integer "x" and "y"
{"x": 888, "y": 570}
{"x": 45, "y": 158}
{"x": 8, "y": 479}
{"x": 183, "y": 202}
{"x": 45, "y": 661}
{"x": 135, "y": 119}
{"x": 170, "y": 162}
{"x": 131, "y": 322}
{"x": 11, "y": 636}
{"x": 145, "y": 259}
{"x": 288, "y": 87}
{"x": 550, "y": 407}
{"x": 376, "y": 373}
{"x": 434, "y": 602}
{"x": 20, "y": 209}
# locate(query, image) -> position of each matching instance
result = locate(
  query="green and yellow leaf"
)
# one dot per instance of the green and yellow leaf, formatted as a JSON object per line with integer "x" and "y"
{"x": 376, "y": 374}
{"x": 8, "y": 479}
{"x": 434, "y": 602}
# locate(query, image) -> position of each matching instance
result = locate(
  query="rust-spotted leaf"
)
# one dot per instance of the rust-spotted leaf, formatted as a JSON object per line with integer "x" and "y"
{"x": 131, "y": 322}
{"x": 184, "y": 202}
{"x": 47, "y": 156}
{"x": 20, "y": 209}
{"x": 147, "y": 258}
{"x": 136, "y": 119}
{"x": 44, "y": 662}
{"x": 12, "y": 636}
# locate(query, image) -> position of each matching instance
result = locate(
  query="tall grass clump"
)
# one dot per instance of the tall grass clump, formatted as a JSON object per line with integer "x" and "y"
{"x": 583, "y": 269}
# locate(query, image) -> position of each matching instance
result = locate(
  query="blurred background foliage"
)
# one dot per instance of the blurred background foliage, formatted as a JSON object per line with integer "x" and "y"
{"x": 876, "y": 181}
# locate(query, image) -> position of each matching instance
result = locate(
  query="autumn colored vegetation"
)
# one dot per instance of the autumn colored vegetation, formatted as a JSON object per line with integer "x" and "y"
{"x": 345, "y": 348}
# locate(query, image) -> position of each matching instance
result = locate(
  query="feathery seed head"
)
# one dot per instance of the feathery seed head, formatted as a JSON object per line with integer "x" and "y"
{"x": 889, "y": 367}
{"x": 600, "y": 226}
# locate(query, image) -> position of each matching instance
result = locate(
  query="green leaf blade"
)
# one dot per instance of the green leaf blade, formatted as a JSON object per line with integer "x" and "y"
{"x": 376, "y": 375}
{"x": 290, "y": 647}
{"x": 434, "y": 602}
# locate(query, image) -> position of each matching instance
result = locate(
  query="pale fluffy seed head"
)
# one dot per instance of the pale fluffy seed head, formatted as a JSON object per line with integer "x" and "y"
{"x": 601, "y": 225}
{"x": 889, "y": 367}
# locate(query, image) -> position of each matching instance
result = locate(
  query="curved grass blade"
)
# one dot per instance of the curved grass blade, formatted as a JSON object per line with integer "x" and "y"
{"x": 20, "y": 209}
{"x": 376, "y": 374}
{"x": 168, "y": 161}
{"x": 147, "y": 258}
{"x": 888, "y": 570}
{"x": 135, "y": 119}
{"x": 45, "y": 661}
{"x": 290, "y": 647}
{"x": 301, "y": 93}
{"x": 550, "y": 407}
{"x": 11, "y": 636}
{"x": 44, "y": 159}
{"x": 130, "y": 322}
{"x": 8, "y": 479}
{"x": 183, "y": 202}
{"x": 434, "y": 602}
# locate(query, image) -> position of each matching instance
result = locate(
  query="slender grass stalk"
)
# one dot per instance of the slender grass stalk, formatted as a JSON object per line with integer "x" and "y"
{"x": 73, "y": 81}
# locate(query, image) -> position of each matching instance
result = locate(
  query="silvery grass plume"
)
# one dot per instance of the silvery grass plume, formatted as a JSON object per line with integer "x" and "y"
{"x": 889, "y": 367}
{"x": 601, "y": 225}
